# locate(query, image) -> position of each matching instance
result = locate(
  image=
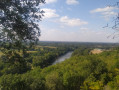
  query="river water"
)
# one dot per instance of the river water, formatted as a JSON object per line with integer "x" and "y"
{"x": 62, "y": 58}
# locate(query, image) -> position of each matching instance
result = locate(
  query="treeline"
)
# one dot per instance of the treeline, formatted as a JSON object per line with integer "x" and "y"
{"x": 46, "y": 56}
{"x": 36, "y": 57}
{"x": 83, "y": 71}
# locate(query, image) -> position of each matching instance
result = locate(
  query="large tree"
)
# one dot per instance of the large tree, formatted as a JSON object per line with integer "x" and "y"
{"x": 18, "y": 20}
{"x": 18, "y": 25}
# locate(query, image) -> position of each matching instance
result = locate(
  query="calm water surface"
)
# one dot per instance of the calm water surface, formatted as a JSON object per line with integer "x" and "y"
{"x": 62, "y": 58}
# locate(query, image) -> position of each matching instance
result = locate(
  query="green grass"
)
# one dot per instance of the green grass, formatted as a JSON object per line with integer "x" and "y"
{"x": 31, "y": 51}
{"x": 1, "y": 53}
{"x": 45, "y": 46}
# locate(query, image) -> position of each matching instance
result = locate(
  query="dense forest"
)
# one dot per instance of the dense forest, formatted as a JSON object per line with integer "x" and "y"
{"x": 27, "y": 64}
{"x": 83, "y": 71}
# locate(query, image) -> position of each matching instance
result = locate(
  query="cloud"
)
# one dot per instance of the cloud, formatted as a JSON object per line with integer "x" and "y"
{"x": 49, "y": 34}
{"x": 50, "y": 1}
{"x": 84, "y": 28}
{"x": 106, "y": 12}
{"x": 72, "y": 22}
{"x": 49, "y": 13}
{"x": 72, "y": 2}
{"x": 106, "y": 9}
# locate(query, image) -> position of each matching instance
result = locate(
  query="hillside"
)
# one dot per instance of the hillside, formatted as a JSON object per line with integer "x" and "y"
{"x": 83, "y": 71}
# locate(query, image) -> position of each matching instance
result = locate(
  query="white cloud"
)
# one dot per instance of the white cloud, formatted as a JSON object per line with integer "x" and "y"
{"x": 50, "y": 1}
{"x": 50, "y": 13}
{"x": 107, "y": 12}
{"x": 72, "y": 22}
{"x": 72, "y": 2}
{"x": 106, "y": 9}
{"x": 107, "y": 15}
{"x": 84, "y": 28}
{"x": 88, "y": 35}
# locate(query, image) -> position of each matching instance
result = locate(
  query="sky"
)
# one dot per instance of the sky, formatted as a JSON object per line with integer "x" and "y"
{"x": 78, "y": 20}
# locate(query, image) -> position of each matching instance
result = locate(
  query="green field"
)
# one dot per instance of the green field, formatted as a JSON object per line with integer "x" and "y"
{"x": 1, "y": 53}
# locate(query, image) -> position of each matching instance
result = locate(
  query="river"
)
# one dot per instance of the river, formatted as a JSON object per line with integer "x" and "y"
{"x": 62, "y": 58}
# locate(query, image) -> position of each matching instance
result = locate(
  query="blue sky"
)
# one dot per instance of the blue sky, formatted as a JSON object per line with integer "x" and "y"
{"x": 78, "y": 20}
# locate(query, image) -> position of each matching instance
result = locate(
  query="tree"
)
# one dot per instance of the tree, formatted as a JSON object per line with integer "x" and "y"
{"x": 18, "y": 26}
{"x": 18, "y": 20}
{"x": 53, "y": 82}
{"x": 115, "y": 24}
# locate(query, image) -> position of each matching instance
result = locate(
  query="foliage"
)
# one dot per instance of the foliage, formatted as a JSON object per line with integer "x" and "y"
{"x": 18, "y": 22}
{"x": 83, "y": 71}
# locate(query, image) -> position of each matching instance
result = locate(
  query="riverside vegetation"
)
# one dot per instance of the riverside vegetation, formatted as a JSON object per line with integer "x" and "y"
{"x": 83, "y": 71}
{"x": 24, "y": 66}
